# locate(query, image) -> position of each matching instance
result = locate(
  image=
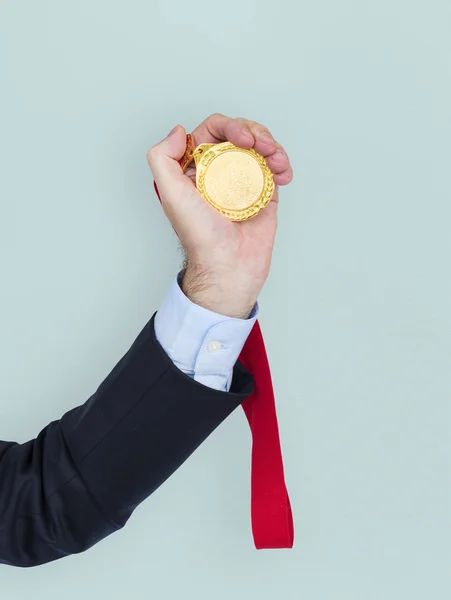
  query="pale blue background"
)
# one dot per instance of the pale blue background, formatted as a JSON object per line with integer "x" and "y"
{"x": 356, "y": 313}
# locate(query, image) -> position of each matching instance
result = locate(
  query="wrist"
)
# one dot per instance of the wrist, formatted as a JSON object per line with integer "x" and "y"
{"x": 226, "y": 293}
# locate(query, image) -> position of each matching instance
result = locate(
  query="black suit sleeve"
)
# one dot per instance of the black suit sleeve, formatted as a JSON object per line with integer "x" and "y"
{"x": 83, "y": 476}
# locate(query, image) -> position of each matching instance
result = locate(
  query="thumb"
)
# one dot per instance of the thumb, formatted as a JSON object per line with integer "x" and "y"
{"x": 173, "y": 185}
{"x": 163, "y": 158}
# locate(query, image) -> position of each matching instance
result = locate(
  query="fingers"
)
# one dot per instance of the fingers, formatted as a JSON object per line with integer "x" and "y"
{"x": 267, "y": 146}
{"x": 264, "y": 144}
{"x": 279, "y": 163}
{"x": 246, "y": 134}
{"x": 163, "y": 157}
{"x": 219, "y": 128}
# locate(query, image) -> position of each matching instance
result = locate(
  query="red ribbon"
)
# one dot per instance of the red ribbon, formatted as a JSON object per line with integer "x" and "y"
{"x": 271, "y": 516}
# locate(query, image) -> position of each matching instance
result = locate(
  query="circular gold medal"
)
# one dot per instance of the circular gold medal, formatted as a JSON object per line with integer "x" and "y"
{"x": 237, "y": 182}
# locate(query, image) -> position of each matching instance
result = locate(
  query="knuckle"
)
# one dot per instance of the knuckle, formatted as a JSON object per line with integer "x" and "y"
{"x": 215, "y": 116}
{"x": 247, "y": 122}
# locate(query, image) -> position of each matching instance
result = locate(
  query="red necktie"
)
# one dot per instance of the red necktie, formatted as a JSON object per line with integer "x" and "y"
{"x": 272, "y": 520}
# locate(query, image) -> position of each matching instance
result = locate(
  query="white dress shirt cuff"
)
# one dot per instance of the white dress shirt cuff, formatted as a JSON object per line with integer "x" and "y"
{"x": 200, "y": 342}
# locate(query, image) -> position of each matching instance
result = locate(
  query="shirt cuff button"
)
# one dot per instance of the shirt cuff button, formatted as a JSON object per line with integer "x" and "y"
{"x": 214, "y": 347}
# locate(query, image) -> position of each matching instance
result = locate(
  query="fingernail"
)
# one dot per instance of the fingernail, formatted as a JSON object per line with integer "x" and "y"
{"x": 266, "y": 137}
{"x": 279, "y": 154}
{"x": 173, "y": 130}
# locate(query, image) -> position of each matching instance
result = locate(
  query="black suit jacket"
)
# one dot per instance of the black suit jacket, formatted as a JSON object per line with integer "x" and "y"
{"x": 83, "y": 476}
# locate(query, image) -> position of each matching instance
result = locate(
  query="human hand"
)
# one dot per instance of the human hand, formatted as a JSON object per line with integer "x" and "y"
{"x": 227, "y": 262}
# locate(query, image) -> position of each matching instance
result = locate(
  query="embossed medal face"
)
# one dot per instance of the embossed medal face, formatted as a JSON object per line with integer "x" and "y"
{"x": 235, "y": 181}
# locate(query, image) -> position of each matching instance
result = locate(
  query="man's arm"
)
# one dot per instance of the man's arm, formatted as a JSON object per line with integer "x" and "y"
{"x": 83, "y": 476}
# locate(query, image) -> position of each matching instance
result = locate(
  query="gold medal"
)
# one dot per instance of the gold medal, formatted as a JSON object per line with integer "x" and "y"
{"x": 236, "y": 182}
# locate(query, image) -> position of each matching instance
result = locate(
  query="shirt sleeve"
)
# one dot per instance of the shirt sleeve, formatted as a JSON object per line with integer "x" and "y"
{"x": 203, "y": 344}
